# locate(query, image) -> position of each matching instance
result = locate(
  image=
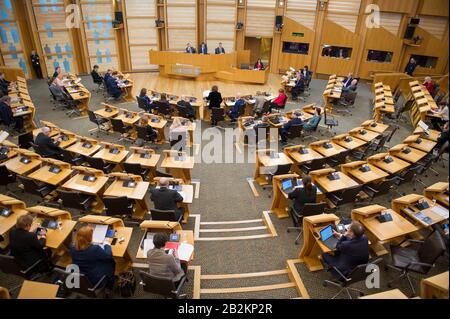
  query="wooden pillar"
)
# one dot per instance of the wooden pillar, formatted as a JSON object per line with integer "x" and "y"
{"x": 241, "y": 16}
{"x": 316, "y": 50}
{"x": 276, "y": 40}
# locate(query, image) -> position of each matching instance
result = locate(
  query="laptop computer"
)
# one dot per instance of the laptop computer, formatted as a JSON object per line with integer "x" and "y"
{"x": 287, "y": 186}
{"x": 327, "y": 238}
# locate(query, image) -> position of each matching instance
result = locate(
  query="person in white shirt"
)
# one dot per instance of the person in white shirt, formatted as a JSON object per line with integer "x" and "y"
{"x": 439, "y": 122}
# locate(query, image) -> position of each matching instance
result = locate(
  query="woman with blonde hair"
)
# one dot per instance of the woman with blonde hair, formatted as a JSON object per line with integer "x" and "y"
{"x": 94, "y": 260}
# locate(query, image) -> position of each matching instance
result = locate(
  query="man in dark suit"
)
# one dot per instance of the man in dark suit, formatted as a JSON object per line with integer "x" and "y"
{"x": 47, "y": 146}
{"x": 166, "y": 199}
{"x": 190, "y": 48}
{"x": 7, "y": 116}
{"x": 186, "y": 104}
{"x": 203, "y": 48}
{"x": 4, "y": 84}
{"x": 351, "y": 250}
{"x": 36, "y": 64}
{"x": 296, "y": 120}
{"x": 220, "y": 49}
{"x": 27, "y": 246}
{"x": 348, "y": 80}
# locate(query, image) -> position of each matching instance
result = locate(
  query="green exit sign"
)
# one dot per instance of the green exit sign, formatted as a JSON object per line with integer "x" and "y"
{"x": 298, "y": 34}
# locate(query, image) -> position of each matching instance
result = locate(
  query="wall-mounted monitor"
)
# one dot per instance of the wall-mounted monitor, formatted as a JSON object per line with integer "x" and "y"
{"x": 379, "y": 56}
{"x": 295, "y": 47}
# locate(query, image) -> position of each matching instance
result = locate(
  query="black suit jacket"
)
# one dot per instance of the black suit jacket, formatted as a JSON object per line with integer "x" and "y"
{"x": 47, "y": 146}
{"x": 350, "y": 253}
{"x": 219, "y": 50}
{"x": 25, "y": 247}
{"x": 302, "y": 197}
{"x": 4, "y": 84}
{"x": 165, "y": 199}
{"x": 215, "y": 99}
{"x": 190, "y": 49}
{"x": 205, "y": 49}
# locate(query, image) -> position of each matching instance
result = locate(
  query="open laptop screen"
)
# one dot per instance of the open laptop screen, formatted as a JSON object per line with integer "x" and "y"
{"x": 326, "y": 233}
{"x": 286, "y": 184}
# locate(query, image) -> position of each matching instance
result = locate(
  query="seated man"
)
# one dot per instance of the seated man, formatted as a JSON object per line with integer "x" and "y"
{"x": 428, "y": 83}
{"x": 347, "y": 80}
{"x": 279, "y": 102}
{"x": 47, "y": 146}
{"x": 312, "y": 122}
{"x": 161, "y": 264}
{"x": 96, "y": 77}
{"x": 296, "y": 120}
{"x": 186, "y": 104}
{"x": 237, "y": 108}
{"x": 28, "y": 245}
{"x": 112, "y": 87}
{"x": 166, "y": 199}
{"x": 351, "y": 250}
{"x": 6, "y": 114}
{"x": 147, "y": 101}
{"x": 4, "y": 84}
{"x": 299, "y": 87}
{"x": 347, "y": 92}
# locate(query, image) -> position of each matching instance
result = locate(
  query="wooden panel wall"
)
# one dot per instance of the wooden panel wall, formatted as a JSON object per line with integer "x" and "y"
{"x": 11, "y": 48}
{"x": 54, "y": 37}
{"x": 260, "y": 19}
{"x": 302, "y": 12}
{"x": 99, "y": 36}
{"x": 142, "y": 33}
{"x": 220, "y": 24}
{"x": 181, "y": 24}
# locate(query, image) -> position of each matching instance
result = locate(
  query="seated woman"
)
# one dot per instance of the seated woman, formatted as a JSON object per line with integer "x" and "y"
{"x": 279, "y": 102}
{"x": 147, "y": 102}
{"x": 428, "y": 83}
{"x": 163, "y": 102}
{"x": 259, "y": 65}
{"x": 178, "y": 134}
{"x": 57, "y": 81}
{"x": 94, "y": 261}
{"x": 151, "y": 133}
{"x": 313, "y": 122}
{"x": 299, "y": 87}
{"x": 303, "y": 195}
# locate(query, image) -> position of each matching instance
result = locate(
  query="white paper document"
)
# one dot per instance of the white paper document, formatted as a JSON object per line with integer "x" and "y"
{"x": 99, "y": 234}
{"x": 439, "y": 210}
{"x": 185, "y": 251}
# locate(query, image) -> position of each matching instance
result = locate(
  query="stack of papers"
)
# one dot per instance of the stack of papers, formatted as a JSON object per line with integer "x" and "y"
{"x": 185, "y": 251}
{"x": 148, "y": 244}
{"x": 439, "y": 210}
{"x": 99, "y": 234}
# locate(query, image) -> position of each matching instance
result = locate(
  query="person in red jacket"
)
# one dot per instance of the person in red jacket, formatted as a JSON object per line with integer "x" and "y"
{"x": 429, "y": 84}
{"x": 279, "y": 102}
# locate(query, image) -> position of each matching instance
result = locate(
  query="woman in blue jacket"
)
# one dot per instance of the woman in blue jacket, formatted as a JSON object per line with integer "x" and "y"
{"x": 94, "y": 261}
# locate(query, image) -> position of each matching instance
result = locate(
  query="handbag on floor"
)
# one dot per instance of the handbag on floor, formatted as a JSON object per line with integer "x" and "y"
{"x": 127, "y": 284}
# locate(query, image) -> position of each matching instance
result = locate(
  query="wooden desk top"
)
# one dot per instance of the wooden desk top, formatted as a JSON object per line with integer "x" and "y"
{"x": 375, "y": 174}
{"x": 393, "y": 167}
{"x": 413, "y": 157}
{"x": 37, "y": 290}
{"x": 6, "y": 223}
{"x": 79, "y": 149}
{"x": 379, "y": 128}
{"x": 186, "y": 236}
{"x": 171, "y": 162}
{"x": 56, "y": 237}
{"x": 44, "y": 175}
{"x": 329, "y": 186}
{"x": 412, "y": 210}
{"x": 116, "y": 189}
{"x": 267, "y": 161}
{"x": 159, "y": 125}
{"x": 303, "y": 158}
{"x": 16, "y": 166}
{"x": 351, "y": 145}
{"x": 432, "y": 134}
{"x": 368, "y": 136}
{"x": 439, "y": 281}
{"x": 422, "y": 144}
{"x": 327, "y": 152}
{"x": 135, "y": 158}
{"x": 76, "y": 183}
{"x": 398, "y": 227}
{"x": 390, "y": 294}
{"x": 105, "y": 114}
{"x": 128, "y": 120}
{"x": 105, "y": 155}
{"x": 119, "y": 249}
{"x": 71, "y": 139}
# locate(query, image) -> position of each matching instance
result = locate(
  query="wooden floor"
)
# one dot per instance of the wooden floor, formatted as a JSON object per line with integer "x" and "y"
{"x": 192, "y": 87}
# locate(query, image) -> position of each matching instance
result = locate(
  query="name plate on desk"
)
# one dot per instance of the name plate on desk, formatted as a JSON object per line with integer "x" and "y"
{"x": 185, "y": 69}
